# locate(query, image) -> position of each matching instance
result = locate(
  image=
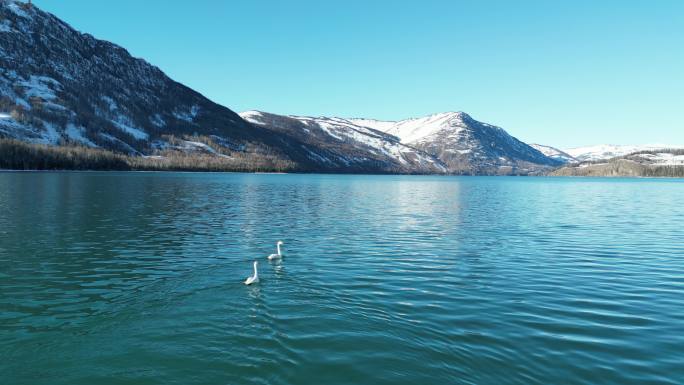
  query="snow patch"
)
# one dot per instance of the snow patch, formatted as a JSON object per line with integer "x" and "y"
{"x": 314, "y": 156}
{"x": 40, "y": 87}
{"x": 344, "y": 130}
{"x": 664, "y": 159}
{"x": 77, "y": 134}
{"x": 379, "y": 125}
{"x": 187, "y": 146}
{"x": 251, "y": 116}
{"x": 111, "y": 104}
{"x": 124, "y": 124}
{"x": 9, "y": 125}
{"x": 120, "y": 142}
{"x": 553, "y": 153}
{"x": 50, "y": 135}
{"x": 188, "y": 116}
{"x": 328, "y": 128}
{"x": 198, "y": 145}
{"x": 17, "y": 9}
{"x": 607, "y": 151}
{"x": 416, "y": 130}
{"x": 193, "y": 146}
{"x": 23, "y": 103}
{"x": 157, "y": 120}
{"x": 5, "y": 26}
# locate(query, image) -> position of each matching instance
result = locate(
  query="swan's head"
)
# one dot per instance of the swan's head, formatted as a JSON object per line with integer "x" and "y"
{"x": 256, "y": 263}
{"x": 280, "y": 243}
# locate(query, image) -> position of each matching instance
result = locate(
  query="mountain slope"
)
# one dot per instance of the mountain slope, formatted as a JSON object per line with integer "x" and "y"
{"x": 554, "y": 153}
{"x": 465, "y": 145}
{"x": 345, "y": 147}
{"x": 608, "y": 151}
{"x": 651, "y": 163}
{"x": 59, "y": 86}
{"x": 450, "y": 142}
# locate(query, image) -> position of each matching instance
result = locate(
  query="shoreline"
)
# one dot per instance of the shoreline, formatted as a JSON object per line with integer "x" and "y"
{"x": 14, "y": 171}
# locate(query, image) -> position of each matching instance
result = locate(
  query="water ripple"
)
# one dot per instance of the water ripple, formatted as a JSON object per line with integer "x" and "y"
{"x": 138, "y": 277}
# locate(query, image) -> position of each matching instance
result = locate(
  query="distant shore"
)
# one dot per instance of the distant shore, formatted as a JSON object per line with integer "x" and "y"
{"x": 17, "y": 156}
{"x": 620, "y": 168}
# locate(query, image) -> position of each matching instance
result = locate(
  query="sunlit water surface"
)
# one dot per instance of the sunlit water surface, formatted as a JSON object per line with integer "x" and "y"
{"x": 136, "y": 278}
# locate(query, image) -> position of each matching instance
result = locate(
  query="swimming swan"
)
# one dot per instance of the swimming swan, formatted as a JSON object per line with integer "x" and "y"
{"x": 279, "y": 255}
{"x": 255, "y": 277}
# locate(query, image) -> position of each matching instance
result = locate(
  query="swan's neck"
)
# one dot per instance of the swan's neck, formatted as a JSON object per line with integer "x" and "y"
{"x": 256, "y": 272}
{"x": 278, "y": 246}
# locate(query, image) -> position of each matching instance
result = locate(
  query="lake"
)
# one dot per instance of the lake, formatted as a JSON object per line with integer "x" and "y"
{"x": 137, "y": 278}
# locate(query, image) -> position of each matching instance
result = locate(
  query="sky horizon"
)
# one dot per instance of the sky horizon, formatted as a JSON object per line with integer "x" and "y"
{"x": 564, "y": 74}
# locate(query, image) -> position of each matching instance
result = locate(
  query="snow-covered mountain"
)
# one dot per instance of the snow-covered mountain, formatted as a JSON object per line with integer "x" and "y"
{"x": 644, "y": 163}
{"x": 660, "y": 157}
{"x": 554, "y": 153}
{"x": 344, "y": 146}
{"x": 607, "y": 151}
{"x": 59, "y": 86}
{"x": 450, "y": 142}
{"x": 464, "y": 144}
{"x": 418, "y": 129}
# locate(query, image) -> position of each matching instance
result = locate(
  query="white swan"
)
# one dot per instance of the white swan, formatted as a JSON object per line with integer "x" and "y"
{"x": 255, "y": 277}
{"x": 279, "y": 255}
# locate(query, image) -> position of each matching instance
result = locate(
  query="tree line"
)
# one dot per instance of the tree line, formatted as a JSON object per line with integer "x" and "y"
{"x": 18, "y": 155}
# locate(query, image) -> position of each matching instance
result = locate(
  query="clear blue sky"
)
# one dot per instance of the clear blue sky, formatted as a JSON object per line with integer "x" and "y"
{"x": 563, "y": 73}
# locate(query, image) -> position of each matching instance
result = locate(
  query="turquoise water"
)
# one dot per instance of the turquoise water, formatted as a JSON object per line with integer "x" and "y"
{"x": 136, "y": 278}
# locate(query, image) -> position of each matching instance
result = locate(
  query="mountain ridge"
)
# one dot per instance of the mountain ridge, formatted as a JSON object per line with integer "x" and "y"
{"x": 62, "y": 87}
{"x": 646, "y": 163}
{"x": 342, "y": 145}
{"x": 608, "y": 151}
{"x": 456, "y": 140}
{"x": 555, "y": 153}
{"x": 59, "y": 86}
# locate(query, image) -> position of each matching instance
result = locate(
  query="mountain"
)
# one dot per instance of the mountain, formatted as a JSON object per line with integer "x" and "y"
{"x": 339, "y": 145}
{"x": 60, "y": 87}
{"x": 450, "y": 142}
{"x": 647, "y": 163}
{"x": 607, "y": 151}
{"x": 465, "y": 145}
{"x": 554, "y": 153}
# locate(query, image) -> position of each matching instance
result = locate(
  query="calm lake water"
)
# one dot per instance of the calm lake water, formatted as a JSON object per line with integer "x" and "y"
{"x": 136, "y": 278}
